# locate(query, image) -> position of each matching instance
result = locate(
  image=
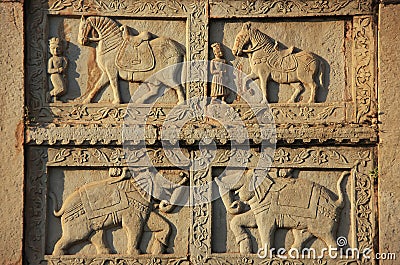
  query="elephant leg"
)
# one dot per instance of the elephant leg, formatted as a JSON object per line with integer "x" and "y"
{"x": 328, "y": 238}
{"x": 103, "y": 80}
{"x": 98, "y": 241}
{"x": 61, "y": 247}
{"x": 266, "y": 228}
{"x": 238, "y": 225}
{"x": 300, "y": 236}
{"x": 75, "y": 232}
{"x": 298, "y": 89}
{"x": 162, "y": 230}
{"x": 133, "y": 226}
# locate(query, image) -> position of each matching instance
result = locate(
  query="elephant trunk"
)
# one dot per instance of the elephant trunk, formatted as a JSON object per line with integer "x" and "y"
{"x": 340, "y": 201}
{"x": 233, "y": 207}
{"x": 180, "y": 196}
{"x": 166, "y": 207}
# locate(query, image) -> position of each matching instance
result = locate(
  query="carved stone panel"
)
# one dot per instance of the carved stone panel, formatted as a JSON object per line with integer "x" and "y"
{"x": 200, "y": 132}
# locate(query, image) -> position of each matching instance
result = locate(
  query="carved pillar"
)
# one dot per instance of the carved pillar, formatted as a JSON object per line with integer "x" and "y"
{"x": 12, "y": 130}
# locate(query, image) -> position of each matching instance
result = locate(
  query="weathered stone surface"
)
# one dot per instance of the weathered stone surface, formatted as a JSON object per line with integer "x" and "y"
{"x": 11, "y": 131}
{"x": 389, "y": 155}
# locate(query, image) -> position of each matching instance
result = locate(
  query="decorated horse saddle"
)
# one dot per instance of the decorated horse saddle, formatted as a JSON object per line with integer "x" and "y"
{"x": 282, "y": 61}
{"x": 135, "y": 53}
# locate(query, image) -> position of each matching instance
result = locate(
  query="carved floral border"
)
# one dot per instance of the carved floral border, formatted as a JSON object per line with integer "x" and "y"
{"x": 291, "y": 8}
{"x": 150, "y": 134}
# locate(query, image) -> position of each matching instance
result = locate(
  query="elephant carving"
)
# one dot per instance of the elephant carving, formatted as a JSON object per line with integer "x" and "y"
{"x": 305, "y": 207}
{"x": 115, "y": 201}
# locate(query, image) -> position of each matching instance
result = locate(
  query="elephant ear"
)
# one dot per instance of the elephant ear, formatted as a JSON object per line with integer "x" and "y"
{"x": 143, "y": 183}
{"x": 261, "y": 184}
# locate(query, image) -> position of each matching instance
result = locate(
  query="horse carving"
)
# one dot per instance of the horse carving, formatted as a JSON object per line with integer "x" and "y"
{"x": 284, "y": 67}
{"x": 132, "y": 58}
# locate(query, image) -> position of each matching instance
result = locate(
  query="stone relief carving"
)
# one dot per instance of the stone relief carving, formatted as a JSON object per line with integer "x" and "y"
{"x": 267, "y": 63}
{"x": 357, "y": 161}
{"x": 132, "y": 58}
{"x": 303, "y": 206}
{"x": 89, "y": 135}
{"x": 218, "y": 71}
{"x": 57, "y": 67}
{"x": 118, "y": 200}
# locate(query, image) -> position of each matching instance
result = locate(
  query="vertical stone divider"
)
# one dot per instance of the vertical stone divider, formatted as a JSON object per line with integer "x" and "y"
{"x": 35, "y": 205}
{"x": 200, "y": 197}
{"x": 364, "y": 67}
{"x": 197, "y": 34}
{"x": 389, "y": 140}
{"x": 12, "y": 130}
{"x": 36, "y": 65}
{"x": 197, "y": 41}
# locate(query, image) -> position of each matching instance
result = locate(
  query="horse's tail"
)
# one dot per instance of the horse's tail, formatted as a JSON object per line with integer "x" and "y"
{"x": 321, "y": 74}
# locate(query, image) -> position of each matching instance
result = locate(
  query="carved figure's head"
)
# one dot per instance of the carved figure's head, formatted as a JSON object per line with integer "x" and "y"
{"x": 217, "y": 50}
{"x": 55, "y": 46}
{"x": 242, "y": 38}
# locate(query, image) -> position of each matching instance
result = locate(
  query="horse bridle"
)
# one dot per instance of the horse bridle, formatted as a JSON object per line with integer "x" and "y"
{"x": 241, "y": 44}
{"x": 86, "y": 32}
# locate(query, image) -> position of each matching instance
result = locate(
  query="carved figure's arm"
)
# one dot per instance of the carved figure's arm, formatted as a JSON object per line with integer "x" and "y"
{"x": 50, "y": 67}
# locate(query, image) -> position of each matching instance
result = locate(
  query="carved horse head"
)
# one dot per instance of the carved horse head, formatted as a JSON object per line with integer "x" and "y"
{"x": 256, "y": 38}
{"x": 95, "y": 29}
{"x": 242, "y": 38}
{"x": 84, "y": 29}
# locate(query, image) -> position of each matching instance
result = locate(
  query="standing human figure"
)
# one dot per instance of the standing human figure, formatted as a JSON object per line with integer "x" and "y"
{"x": 218, "y": 70}
{"x": 57, "y": 67}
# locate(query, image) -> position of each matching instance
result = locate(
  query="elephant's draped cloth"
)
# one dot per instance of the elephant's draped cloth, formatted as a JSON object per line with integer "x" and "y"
{"x": 297, "y": 200}
{"x": 101, "y": 199}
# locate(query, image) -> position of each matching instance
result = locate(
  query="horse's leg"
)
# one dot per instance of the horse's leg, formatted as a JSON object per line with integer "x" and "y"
{"x": 153, "y": 90}
{"x": 298, "y": 89}
{"x": 313, "y": 87}
{"x": 307, "y": 78}
{"x": 112, "y": 73}
{"x": 252, "y": 76}
{"x": 179, "y": 92}
{"x": 264, "y": 86}
{"x": 103, "y": 80}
